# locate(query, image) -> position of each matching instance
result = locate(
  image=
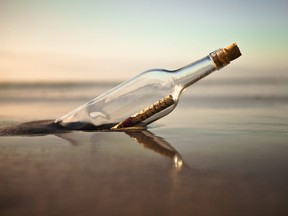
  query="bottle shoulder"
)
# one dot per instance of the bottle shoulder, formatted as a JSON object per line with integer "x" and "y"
{"x": 163, "y": 75}
{"x": 158, "y": 70}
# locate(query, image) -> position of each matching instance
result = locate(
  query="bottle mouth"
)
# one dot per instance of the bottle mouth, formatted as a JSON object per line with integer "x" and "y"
{"x": 224, "y": 56}
{"x": 233, "y": 51}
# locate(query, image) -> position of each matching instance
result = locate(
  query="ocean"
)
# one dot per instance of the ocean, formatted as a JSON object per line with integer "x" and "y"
{"x": 222, "y": 151}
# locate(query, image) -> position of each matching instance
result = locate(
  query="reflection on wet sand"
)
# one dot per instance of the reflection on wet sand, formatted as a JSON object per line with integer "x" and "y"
{"x": 47, "y": 127}
{"x": 157, "y": 144}
{"x": 144, "y": 137}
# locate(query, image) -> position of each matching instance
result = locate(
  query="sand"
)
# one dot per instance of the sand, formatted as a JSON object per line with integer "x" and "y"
{"x": 222, "y": 151}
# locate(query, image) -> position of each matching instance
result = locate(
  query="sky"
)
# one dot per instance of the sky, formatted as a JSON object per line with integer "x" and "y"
{"x": 105, "y": 40}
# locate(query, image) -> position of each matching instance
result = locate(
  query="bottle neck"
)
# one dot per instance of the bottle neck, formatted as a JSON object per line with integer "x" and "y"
{"x": 191, "y": 73}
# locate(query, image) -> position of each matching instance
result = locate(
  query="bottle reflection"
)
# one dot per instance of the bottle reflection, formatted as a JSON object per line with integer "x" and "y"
{"x": 144, "y": 137}
{"x": 157, "y": 144}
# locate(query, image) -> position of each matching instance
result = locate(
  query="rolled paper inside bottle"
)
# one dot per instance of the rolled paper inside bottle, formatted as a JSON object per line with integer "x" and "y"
{"x": 146, "y": 113}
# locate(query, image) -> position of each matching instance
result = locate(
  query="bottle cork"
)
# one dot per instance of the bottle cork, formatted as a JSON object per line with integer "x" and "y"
{"x": 224, "y": 56}
{"x": 233, "y": 51}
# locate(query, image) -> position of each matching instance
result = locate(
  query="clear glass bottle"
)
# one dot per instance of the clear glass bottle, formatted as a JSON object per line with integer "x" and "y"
{"x": 146, "y": 97}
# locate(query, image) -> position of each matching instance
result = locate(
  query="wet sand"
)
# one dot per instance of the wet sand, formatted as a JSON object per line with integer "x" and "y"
{"x": 210, "y": 156}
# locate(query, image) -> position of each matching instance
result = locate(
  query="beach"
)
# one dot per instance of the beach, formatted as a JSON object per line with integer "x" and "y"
{"x": 222, "y": 151}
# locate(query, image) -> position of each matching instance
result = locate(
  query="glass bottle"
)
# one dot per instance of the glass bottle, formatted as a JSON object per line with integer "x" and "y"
{"x": 146, "y": 97}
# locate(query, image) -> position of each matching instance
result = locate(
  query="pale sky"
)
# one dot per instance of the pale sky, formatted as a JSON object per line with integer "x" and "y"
{"x": 113, "y": 40}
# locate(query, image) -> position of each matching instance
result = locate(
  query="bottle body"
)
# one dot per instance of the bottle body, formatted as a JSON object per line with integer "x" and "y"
{"x": 122, "y": 101}
{"x": 138, "y": 101}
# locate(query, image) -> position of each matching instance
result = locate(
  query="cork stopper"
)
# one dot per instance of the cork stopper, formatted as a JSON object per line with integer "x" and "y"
{"x": 232, "y": 51}
{"x": 223, "y": 57}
